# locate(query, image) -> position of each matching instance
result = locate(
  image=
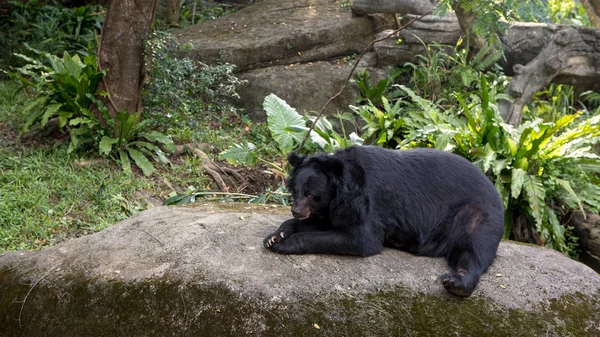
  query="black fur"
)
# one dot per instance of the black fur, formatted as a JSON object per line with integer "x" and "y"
{"x": 423, "y": 201}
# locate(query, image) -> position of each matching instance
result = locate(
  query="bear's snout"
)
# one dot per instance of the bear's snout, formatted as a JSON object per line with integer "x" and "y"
{"x": 300, "y": 210}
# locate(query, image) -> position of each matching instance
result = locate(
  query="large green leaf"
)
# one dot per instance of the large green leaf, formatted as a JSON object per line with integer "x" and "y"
{"x": 155, "y": 136}
{"x": 37, "y": 113}
{"x": 125, "y": 162}
{"x": 489, "y": 158}
{"x": 174, "y": 199}
{"x": 516, "y": 183}
{"x": 535, "y": 195}
{"x": 240, "y": 154}
{"x": 282, "y": 117}
{"x": 567, "y": 187}
{"x": 587, "y": 132}
{"x": 106, "y": 144}
{"x": 141, "y": 161}
{"x": 51, "y": 110}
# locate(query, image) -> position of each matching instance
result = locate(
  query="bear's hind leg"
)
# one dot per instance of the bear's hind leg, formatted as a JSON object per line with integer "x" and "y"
{"x": 465, "y": 274}
{"x": 472, "y": 253}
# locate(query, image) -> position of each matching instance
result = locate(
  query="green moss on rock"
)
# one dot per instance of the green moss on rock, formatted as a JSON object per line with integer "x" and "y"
{"x": 79, "y": 306}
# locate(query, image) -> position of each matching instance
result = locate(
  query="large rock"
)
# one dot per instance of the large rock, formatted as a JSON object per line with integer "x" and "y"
{"x": 275, "y": 32}
{"x": 416, "y": 38}
{"x": 184, "y": 271}
{"x": 306, "y": 87}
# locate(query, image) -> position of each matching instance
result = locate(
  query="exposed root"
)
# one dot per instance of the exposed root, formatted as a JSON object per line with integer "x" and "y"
{"x": 216, "y": 172}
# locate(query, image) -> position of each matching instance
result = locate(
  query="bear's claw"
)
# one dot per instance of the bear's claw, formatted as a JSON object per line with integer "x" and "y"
{"x": 272, "y": 239}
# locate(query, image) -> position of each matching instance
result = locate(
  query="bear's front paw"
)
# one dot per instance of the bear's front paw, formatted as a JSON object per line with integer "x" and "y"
{"x": 274, "y": 238}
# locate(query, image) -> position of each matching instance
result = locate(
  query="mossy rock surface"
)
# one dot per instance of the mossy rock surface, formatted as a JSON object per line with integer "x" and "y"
{"x": 200, "y": 271}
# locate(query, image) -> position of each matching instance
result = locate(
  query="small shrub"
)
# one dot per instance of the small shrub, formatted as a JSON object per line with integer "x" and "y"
{"x": 288, "y": 129}
{"x": 50, "y": 28}
{"x": 182, "y": 91}
{"x": 64, "y": 88}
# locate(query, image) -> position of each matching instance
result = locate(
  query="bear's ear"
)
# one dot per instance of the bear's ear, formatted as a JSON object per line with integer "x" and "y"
{"x": 334, "y": 165}
{"x": 294, "y": 159}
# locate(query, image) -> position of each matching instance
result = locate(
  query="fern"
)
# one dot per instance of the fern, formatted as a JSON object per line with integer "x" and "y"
{"x": 535, "y": 195}
{"x": 487, "y": 56}
{"x": 240, "y": 154}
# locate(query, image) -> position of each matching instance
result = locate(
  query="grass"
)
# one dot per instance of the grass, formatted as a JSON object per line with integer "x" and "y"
{"x": 47, "y": 196}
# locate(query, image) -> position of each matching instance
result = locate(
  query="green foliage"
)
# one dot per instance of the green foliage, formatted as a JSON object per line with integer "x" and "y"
{"x": 64, "y": 88}
{"x": 368, "y": 92}
{"x": 568, "y": 12}
{"x": 132, "y": 142}
{"x": 198, "y": 11}
{"x": 288, "y": 129}
{"x": 442, "y": 71}
{"x": 287, "y": 126}
{"x": 382, "y": 127}
{"x": 491, "y": 15}
{"x": 46, "y": 199}
{"x": 240, "y": 154}
{"x": 553, "y": 102}
{"x": 182, "y": 91}
{"x": 52, "y": 29}
{"x": 542, "y": 169}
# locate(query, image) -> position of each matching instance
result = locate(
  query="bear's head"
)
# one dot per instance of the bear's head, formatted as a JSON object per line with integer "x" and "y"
{"x": 313, "y": 183}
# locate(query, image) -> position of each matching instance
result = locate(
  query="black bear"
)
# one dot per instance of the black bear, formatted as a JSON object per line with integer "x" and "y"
{"x": 424, "y": 201}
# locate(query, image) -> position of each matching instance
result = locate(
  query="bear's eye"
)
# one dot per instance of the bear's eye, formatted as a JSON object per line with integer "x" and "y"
{"x": 306, "y": 192}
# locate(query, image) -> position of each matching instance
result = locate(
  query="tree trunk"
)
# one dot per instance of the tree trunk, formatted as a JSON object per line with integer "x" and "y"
{"x": 592, "y": 7}
{"x": 126, "y": 26}
{"x": 173, "y": 12}
{"x": 466, "y": 19}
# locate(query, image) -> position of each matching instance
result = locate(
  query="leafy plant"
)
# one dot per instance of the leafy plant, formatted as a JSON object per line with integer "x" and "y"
{"x": 542, "y": 169}
{"x": 385, "y": 128}
{"x": 128, "y": 143}
{"x": 64, "y": 89}
{"x": 51, "y": 28}
{"x": 553, "y": 102}
{"x": 368, "y": 92}
{"x": 568, "y": 12}
{"x": 288, "y": 129}
{"x": 182, "y": 91}
{"x": 442, "y": 71}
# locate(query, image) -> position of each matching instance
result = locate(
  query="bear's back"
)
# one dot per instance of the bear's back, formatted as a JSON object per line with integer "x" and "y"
{"x": 420, "y": 172}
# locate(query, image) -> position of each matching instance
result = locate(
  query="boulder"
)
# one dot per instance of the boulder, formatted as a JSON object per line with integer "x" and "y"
{"x": 273, "y": 32}
{"x": 301, "y": 51}
{"x": 416, "y": 38}
{"x": 306, "y": 87}
{"x": 202, "y": 271}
